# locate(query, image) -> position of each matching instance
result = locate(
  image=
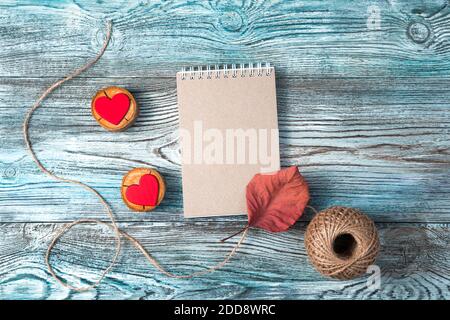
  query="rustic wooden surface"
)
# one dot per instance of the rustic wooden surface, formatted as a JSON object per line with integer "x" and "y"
{"x": 363, "y": 111}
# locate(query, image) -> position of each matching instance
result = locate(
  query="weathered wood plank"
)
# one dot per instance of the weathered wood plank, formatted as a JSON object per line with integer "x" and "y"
{"x": 338, "y": 38}
{"x": 363, "y": 108}
{"x": 379, "y": 144}
{"x": 414, "y": 263}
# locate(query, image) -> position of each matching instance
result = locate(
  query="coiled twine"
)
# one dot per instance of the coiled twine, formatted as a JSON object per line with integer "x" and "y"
{"x": 342, "y": 242}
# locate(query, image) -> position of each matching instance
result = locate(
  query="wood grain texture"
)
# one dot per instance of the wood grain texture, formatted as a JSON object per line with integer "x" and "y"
{"x": 379, "y": 144}
{"x": 363, "y": 104}
{"x": 414, "y": 263}
{"x": 299, "y": 37}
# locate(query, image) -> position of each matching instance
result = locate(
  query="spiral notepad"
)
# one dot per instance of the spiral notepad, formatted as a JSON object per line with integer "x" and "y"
{"x": 229, "y": 133}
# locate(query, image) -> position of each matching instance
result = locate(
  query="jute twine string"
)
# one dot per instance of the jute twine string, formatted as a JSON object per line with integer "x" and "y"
{"x": 112, "y": 224}
{"x": 341, "y": 242}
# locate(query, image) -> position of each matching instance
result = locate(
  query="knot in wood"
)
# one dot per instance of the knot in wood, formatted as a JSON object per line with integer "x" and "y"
{"x": 231, "y": 20}
{"x": 418, "y": 32}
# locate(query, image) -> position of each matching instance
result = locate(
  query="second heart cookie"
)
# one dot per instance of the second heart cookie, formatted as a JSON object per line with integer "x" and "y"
{"x": 143, "y": 189}
{"x": 114, "y": 108}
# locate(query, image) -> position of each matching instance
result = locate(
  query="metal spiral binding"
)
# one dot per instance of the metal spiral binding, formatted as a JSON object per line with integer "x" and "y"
{"x": 216, "y": 71}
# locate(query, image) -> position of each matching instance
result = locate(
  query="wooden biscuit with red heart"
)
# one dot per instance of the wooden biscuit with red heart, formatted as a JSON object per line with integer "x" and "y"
{"x": 143, "y": 189}
{"x": 114, "y": 108}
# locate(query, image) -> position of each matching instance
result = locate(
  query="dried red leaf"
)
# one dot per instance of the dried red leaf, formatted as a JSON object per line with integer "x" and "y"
{"x": 276, "y": 201}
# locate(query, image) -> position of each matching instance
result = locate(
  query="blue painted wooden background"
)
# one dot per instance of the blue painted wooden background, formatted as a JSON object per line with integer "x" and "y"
{"x": 363, "y": 99}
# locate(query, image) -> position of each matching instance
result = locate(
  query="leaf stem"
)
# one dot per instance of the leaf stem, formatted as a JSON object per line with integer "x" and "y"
{"x": 235, "y": 234}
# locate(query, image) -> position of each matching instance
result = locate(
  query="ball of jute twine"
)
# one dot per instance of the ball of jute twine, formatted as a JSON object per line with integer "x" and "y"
{"x": 112, "y": 224}
{"x": 342, "y": 242}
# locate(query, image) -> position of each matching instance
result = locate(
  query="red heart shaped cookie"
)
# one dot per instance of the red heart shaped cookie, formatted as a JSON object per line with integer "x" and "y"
{"x": 145, "y": 193}
{"x": 143, "y": 189}
{"x": 113, "y": 110}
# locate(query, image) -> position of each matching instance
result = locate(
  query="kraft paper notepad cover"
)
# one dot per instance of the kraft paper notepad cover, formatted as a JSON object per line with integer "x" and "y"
{"x": 228, "y": 133}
